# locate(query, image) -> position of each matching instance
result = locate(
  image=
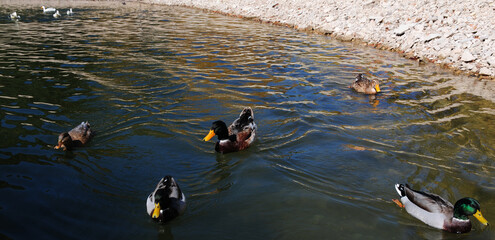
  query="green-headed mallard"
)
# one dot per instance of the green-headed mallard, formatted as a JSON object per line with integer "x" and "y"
{"x": 364, "y": 85}
{"x": 167, "y": 201}
{"x": 437, "y": 212}
{"x": 238, "y": 136}
{"x": 76, "y": 137}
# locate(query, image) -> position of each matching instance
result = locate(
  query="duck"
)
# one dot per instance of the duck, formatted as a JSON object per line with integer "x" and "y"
{"x": 167, "y": 201}
{"x": 57, "y": 14}
{"x": 14, "y": 16}
{"x": 69, "y": 12}
{"x": 438, "y": 212}
{"x": 238, "y": 136}
{"x": 364, "y": 85}
{"x": 77, "y": 137}
{"x": 47, "y": 10}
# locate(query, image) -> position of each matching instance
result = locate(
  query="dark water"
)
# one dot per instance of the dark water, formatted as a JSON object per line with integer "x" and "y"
{"x": 151, "y": 79}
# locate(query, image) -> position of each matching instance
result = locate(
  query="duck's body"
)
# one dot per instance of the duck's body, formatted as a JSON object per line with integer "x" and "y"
{"x": 14, "y": 16}
{"x": 364, "y": 85}
{"x": 48, "y": 10}
{"x": 439, "y": 213}
{"x": 57, "y": 14}
{"x": 69, "y": 12}
{"x": 238, "y": 136}
{"x": 77, "y": 137}
{"x": 167, "y": 201}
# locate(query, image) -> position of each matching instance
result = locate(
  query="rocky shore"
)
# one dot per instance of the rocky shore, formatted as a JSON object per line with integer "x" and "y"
{"x": 454, "y": 33}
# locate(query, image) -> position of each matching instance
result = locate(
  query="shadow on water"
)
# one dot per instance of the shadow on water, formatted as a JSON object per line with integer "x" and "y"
{"x": 151, "y": 80}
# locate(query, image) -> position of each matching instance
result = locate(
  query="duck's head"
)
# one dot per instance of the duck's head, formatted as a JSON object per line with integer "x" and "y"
{"x": 218, "y": 128}
{"x": 466, "y": 207}
{"x": 375, "y": 85}
{"x": 64, "y": 141}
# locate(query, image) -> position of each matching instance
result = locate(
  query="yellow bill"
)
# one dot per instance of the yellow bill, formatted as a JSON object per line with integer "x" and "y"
{"x": 156, "y": 212}
{"x": 377, "y": 88}
{"x": 209, "y": 136}
{"x": 480, "y": 217}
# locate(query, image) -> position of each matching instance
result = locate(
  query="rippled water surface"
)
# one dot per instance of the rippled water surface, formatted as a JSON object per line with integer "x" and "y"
{"x": 152, "y": 79}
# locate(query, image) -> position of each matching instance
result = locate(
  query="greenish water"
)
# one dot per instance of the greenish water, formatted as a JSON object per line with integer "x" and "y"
{"x": 152, "y": 79}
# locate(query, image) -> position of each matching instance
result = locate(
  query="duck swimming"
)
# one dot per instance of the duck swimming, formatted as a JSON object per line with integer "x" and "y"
{"x": 364, "y": 85}
{"x": 167, "y": 201}
{"x": 238, "y": 136}
{"x": 14, "y": 16}
{"x": 47, "y": 10}
{"x": 76, "y": 137}
{"x": 57, "y": 14}
{"x": 437, "y": 212}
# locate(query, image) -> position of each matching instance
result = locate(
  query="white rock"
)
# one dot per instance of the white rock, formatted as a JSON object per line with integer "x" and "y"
{"x": 491, "y": 61}
{"x": 403, "y": 28}
{"x": 467, "y": 56}
{"x": 485, "y": 71}
{"x": 431, "y": 37}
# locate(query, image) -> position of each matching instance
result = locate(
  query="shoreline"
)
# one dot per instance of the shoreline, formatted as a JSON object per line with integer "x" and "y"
{"x": 459, "y": 35}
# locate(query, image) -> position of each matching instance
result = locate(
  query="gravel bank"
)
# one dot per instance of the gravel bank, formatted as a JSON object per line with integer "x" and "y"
{"x": 457, "y": 34}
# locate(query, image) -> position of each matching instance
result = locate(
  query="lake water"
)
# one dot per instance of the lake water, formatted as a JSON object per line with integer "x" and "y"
{"x": 152, "y": 79}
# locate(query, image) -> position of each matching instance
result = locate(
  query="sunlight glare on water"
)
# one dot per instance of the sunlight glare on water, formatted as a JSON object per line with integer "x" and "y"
{"x": 151, "y": 79}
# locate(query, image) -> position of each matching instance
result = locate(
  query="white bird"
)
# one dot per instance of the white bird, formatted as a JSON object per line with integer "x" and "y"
{"x": 57, "y": 14}
{"x": 14, "y": 16}
{"x": 69, "y": 12}
{"x": 47, "y": 10}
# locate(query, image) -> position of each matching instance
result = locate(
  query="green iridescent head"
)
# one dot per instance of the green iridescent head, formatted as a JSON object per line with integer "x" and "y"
{"x": 468, "y": 207}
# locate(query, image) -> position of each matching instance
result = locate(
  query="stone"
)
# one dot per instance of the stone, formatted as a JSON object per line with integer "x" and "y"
{"x": 431, "y": 37}
{"x": 491, "y": 61}
{"x": 467, "y": 56}
{"x": 402, "y": 29}
{"x": 485, "y": 71}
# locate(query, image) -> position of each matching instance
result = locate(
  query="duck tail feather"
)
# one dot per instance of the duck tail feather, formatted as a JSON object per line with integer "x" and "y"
{"x": 400, "y": 188}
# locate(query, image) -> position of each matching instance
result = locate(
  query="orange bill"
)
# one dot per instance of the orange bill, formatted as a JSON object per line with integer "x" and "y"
{"x": 377, "y": 88}
{"x": 209, "y": 136}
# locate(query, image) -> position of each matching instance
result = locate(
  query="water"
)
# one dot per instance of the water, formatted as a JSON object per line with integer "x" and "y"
{"x": 152, "y": 79}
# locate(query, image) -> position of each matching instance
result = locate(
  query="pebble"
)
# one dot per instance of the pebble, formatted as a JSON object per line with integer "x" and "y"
{"x": 467, "y": 57}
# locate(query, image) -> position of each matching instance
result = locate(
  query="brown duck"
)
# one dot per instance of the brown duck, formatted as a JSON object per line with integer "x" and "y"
{"x": 364, "y": 85}
{"x": 238, "y": 136}
{"x": 77, "y": 137}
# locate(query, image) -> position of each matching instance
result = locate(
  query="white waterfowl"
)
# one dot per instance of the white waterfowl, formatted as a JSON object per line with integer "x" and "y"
{"x": 56, "y": 14}
{"x": 48, "y": 10}
{"x": 69, "y": 12}
{"x": 167, "y": 201}
{"x": 14, "y": 16}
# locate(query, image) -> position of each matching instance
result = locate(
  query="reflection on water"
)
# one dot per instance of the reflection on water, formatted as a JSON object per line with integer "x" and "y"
{"x": 151, "y": 79}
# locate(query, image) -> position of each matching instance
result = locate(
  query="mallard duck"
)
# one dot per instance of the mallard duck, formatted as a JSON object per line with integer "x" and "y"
{"x": 167, "y": 201}
{"x": 238, "y": 136}
{"x": 14, "y": 16}
{"x": 437, "y": 212}
{"x": 364, "y": 85}
{"x": 57, "y": 14}
{"x": 47, "y": 10}
{"x": 76, "y": 137}
{"x": 69, "y": 12}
